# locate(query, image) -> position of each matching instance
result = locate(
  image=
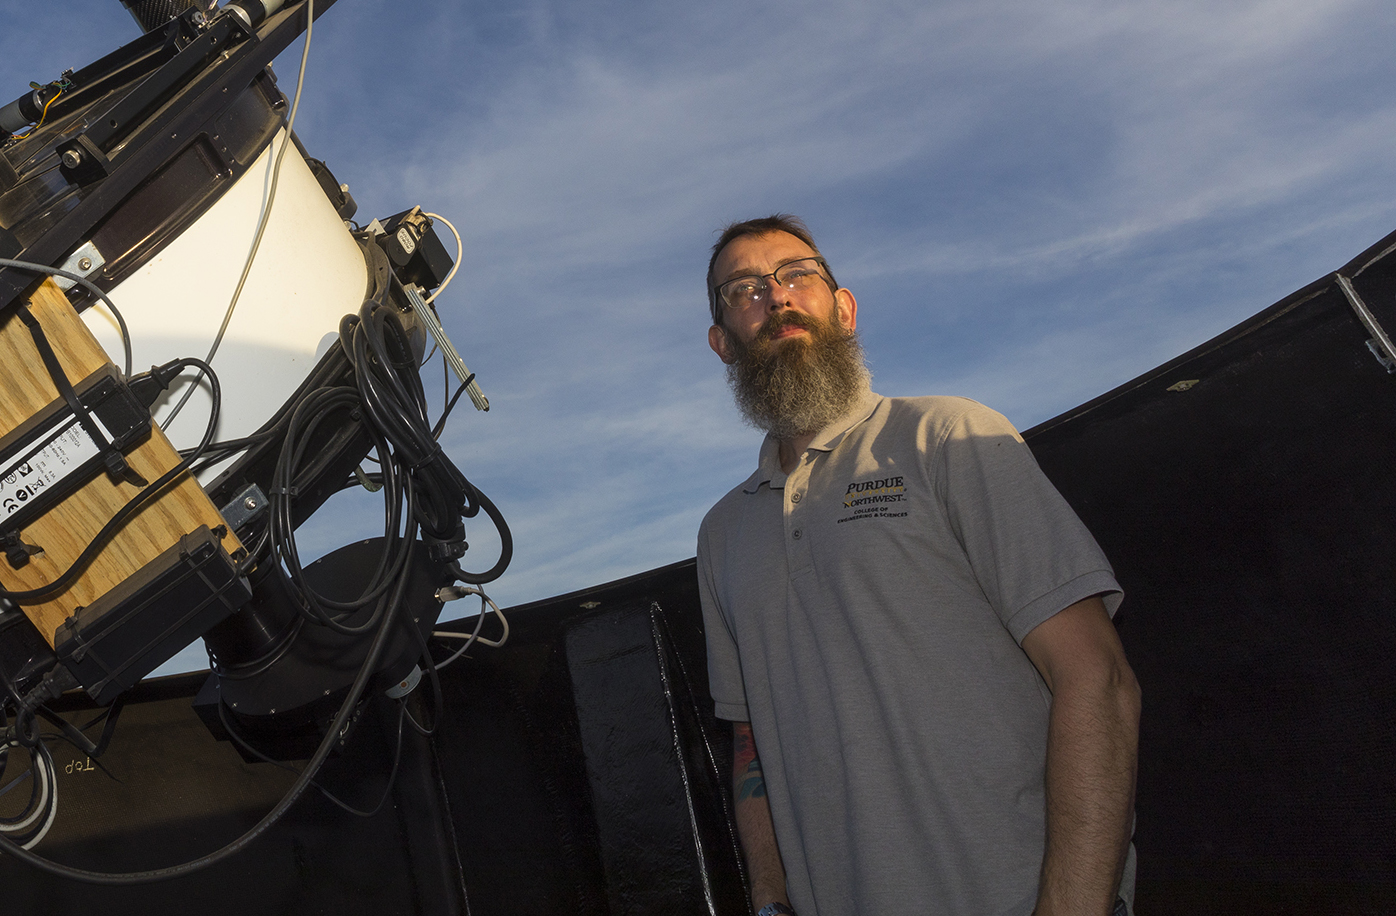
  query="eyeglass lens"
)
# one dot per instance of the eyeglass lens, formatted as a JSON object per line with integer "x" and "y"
{"x": 744, "y": 291}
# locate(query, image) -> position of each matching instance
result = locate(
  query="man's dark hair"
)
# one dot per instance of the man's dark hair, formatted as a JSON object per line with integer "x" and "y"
{"x": 778, "y": 222}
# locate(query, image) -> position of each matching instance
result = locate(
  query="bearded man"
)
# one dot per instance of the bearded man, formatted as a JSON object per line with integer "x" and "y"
{"x": 909, "y": 629}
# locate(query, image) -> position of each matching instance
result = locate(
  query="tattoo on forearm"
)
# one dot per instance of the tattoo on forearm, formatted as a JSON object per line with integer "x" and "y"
{"x": 754, "y": 784}
{"x": 743, "y": 748}
{"x": 750, "y": 782}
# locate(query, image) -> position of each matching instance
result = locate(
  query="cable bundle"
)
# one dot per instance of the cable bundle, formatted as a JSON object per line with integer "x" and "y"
{"x": 439, "y": 495}
{"x": 316, "y": 408}
{"x": 31, "y": 823}
{"x": 422, "y": 488}
{"x": 392, "y": 393}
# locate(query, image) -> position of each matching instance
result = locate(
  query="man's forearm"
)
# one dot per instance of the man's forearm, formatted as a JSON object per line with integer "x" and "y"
{"x": 1092, "y": 748}
{"x": 754, "y": 827}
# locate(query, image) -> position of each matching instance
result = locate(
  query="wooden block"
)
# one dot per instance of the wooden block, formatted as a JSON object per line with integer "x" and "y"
{"x": 65, "y": 530}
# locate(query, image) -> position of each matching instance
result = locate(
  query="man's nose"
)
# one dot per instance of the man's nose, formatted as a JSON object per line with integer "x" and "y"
{"x": 777, "y": 296}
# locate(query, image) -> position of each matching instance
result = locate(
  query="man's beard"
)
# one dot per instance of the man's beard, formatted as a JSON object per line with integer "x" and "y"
{"x": 800, "y": 384}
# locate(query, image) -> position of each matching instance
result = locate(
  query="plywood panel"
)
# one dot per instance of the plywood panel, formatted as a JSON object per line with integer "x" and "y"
{"x": 64, "y": 531}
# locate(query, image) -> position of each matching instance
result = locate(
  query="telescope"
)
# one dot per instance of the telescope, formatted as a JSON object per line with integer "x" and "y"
{"x": 157, "y": 211}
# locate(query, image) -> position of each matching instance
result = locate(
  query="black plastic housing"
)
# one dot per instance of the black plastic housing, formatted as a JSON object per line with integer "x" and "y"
{"x": 124, "y": 635}
{"x": 416, "y": 251}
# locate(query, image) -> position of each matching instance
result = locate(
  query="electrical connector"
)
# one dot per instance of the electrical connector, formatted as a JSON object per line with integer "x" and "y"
{"x": 147, "y": 387}
{"x": 442, "y": 551}
{"x": 51, "y": 687}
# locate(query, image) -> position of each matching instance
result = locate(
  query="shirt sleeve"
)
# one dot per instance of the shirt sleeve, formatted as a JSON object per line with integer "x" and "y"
{"x": 724, "y": 664}
{"x": 1029, "y": 551}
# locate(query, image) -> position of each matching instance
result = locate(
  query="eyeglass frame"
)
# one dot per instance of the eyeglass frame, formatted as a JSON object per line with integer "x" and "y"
{"x": 719, "y": 301}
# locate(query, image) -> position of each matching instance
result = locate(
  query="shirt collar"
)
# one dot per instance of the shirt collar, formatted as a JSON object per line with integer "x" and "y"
{"x": 768, "y": 469}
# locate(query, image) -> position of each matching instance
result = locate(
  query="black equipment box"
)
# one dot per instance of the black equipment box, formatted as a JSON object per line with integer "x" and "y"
{"x": 175, "y": 598}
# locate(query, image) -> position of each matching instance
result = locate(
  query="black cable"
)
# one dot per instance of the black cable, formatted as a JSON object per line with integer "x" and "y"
{"x": 438, "y": 695}
{"x": 261, "y": 542}
{"x": 506, "y": 547}
{"x": 25, "y": 730}
{"x": 421, "y": 729}
{"x": 67, "y": 732}
{"x": 415, "y": 473}
{"x": 450, "y": 406}
{"x": 110, "y": 715}
{"x": 219, "y": 451}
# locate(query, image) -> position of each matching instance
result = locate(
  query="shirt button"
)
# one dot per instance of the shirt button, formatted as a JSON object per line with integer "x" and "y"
{"x": 796, "y": 534}
{"x": 795, "y": 497}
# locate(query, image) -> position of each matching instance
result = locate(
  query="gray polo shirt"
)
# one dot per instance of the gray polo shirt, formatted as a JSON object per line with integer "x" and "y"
{"x": 864, "y": 613}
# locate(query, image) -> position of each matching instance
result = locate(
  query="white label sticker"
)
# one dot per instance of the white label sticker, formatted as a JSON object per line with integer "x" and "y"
{"x": 57, "y": 457}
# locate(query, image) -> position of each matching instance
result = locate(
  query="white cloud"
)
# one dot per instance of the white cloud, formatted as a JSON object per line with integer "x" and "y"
{"x": 594, "y": 165}
{"x": 1034, "y": 201}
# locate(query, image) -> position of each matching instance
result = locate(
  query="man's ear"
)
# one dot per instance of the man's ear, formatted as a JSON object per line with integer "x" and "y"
{"x": 717, "y": 339}
{"x": 846, "y": 307}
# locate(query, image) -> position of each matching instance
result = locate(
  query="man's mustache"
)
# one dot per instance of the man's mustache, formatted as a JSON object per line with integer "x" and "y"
{"x": 781, "y": 320}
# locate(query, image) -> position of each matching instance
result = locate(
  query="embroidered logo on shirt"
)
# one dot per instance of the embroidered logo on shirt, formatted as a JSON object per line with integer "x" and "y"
{"x": 874, "y": 499}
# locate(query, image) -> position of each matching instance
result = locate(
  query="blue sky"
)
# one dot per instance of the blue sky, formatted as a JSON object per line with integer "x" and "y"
{"x": 1034, "y": 202}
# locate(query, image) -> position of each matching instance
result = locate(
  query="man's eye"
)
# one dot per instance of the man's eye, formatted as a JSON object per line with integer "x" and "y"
{"x": 745, "y": 288}
{"x": 798, "y": 277}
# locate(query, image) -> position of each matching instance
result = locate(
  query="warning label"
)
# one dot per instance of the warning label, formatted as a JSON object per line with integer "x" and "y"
{"x": 46, "y": 464}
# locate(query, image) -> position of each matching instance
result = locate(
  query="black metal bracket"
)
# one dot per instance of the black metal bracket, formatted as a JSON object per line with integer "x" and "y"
{"x": 1380, "y": 344}
{"x": 145, "y": 150}
{"x": 92, "y": 155}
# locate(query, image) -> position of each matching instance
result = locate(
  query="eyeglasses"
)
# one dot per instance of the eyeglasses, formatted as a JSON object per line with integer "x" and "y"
{"x": 744, "y": 292}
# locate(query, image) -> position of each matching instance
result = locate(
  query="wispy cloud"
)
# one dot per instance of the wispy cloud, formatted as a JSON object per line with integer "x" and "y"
{"x": 1052, "y": 173}
{"x": 1033, "y": 201}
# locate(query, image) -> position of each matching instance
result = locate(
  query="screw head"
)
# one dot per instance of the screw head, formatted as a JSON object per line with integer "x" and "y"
{"x": 84, "y": 264}
{"x": 250, "y": 502}
{"x": 72, "y": 158}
